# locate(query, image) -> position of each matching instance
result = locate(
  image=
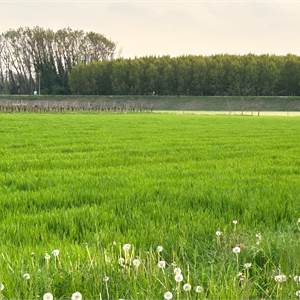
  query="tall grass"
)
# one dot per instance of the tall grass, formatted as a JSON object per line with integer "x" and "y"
{"x": 87, "y": 184}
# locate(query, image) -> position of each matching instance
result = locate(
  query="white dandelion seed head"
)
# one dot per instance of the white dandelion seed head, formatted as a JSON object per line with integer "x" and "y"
{"x": 187, "y": 287}
{"x": 235, "y": 222}
{"x": 76, "y": 296}
{"x": 160, "y": 249}
{"x": 280, "y": 278}
{"x": 236, "y": 250}
{"x": 47, "y": 256}
{"x": 121, "y": 261}
{"x": 177, "y": 270}
{"x": 48, "y": 296}
{"x": 126, "y": 247}
{"x": 199, "y": 289}
{"x": 26, "y": 276}
{"x": 105, "y": 278}
{"x": 247, "y": 265}
{"x": 161, "y": 264}
{"x": 178, "y": 277}
{"x": 136, "y": 262}
{"x": 55, "y": 252}
{"x": 168, "y": 295}
{"x": 297, "y": 293}
{"x": 218, "y": 233}
{"x": 258, "y": 236}
{"x": 297, "y": 279}
{"x": 1, "y": 287}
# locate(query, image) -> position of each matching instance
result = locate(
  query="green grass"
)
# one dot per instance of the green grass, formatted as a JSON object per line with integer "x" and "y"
{"x": 78, "y": 182}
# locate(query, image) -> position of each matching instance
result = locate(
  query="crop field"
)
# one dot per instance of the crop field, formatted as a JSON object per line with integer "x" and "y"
{"x": 149, "y": 206}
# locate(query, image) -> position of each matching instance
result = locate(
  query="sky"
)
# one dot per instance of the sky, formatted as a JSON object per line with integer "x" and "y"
{"x": 169, "y": 27}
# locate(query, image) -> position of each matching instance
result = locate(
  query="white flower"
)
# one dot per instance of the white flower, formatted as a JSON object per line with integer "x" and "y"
{"x": 236, "y": 250}
{"x": 76, "y": 296}
{"x": 161, "y": 264}
{"x": 247, "y": 265}
{"x": 198, "y": 289}
{"x": 121, "y": 261}
{"x": 136, "y": 262}
{"x": 258, "y": 238}
{"x": 1, "y": 287}
{"x": 26, "y": 276}
{"x": 48, "y": 296}
{"x": 218, "y": 233}
{"x": 55, "y": 253}
{"x": 187, "y": 287}
{"x": 178, "y": 277}
{"x": 297, "y": 279}
{"x": 234, "y": 222}
{"x": 126, "y": 247}
{"x": 105, "y": 278}
{"x": 280, "y": 278}
{"x": 160, "y": 249}
{"x": 47, "y": 256}
{"x": 177, "y": 271}
{"x": 297, "y": 293}
{"x": 168, "y": 295}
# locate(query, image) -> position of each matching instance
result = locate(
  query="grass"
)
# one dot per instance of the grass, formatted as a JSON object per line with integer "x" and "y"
{"x": 86, "y": 184}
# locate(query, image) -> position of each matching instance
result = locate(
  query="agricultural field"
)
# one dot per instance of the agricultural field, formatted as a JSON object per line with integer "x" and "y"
{"x": 149, "y": 206}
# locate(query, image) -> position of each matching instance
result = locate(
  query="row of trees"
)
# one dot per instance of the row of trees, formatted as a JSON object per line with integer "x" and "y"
{"x": 32, "y": 55}
{"x": 190, "y": 75}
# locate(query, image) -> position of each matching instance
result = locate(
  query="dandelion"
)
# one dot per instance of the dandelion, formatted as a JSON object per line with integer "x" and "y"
{"x": 47, "y": 257}
{"x": 218, "y": 233}
{"x": 168, "y": 295}
{"x": 178, "y": 277}
{"x": 258, "y": 238}
{"x": 247, "y": 265}
{"x": 126, "y": 247}
{"x": 1, "y": 287}
{"x": 280, "y": 278}
{"x": 121, "y": 261}
{"x": 177, "y": 271}
{"x": 105, "y": 278}
{"x": 26, "y": 276}
{"x": 198, "y": 289}
{"x": 136, "y": 262}
{"x": 76, "y": 296}
{"x": 236, "y": 250}
{"x": 297, "y": 293}
{"x": 55, "y": 253}
{"x": 234, "y": 222}
{"x": 241, "y": 276}
{"x": 297, "y": 279}
{"x": 161, "y": 264}
{"x": 48, "y": 296}
{"x": 187, "y": 287}
{"x": 160, "y": 249}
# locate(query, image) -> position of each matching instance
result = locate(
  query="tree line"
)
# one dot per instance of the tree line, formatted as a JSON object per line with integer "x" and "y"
{"x": 217, "y": 75}
{"x": 29, "y": 56}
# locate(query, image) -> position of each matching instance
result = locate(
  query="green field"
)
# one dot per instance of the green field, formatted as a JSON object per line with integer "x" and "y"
{"x": 88, "y": 183}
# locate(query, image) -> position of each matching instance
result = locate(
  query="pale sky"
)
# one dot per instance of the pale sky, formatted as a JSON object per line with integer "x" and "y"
{"x": 174, "y": 27}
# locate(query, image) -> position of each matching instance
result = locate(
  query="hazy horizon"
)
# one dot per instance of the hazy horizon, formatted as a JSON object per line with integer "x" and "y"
{"x": 163, "y": 27}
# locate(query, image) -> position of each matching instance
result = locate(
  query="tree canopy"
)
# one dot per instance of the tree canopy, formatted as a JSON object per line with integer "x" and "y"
{"x": 217, "y": 75}
{"x": 28, "y": 55}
